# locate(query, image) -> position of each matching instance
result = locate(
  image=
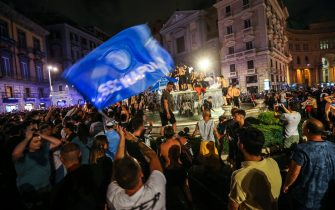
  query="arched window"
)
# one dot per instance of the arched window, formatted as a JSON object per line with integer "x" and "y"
{"x": 298, "y": 60}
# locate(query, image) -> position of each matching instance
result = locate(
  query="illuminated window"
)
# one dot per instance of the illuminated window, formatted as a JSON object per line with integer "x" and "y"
{"x": 324, "y": 45}
{"x": 9, "y": 92}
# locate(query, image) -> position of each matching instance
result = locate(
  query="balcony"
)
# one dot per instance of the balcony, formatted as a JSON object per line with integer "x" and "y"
{"x": 251, "y": 71}
{"x": 31, "y": 95}
{"x": 22, "y": 50}
{"x": 229, "y": 37}
{"x": 250, "y": 51}
{"x": 248, "y": 30}
{"x": 75, "y": 43}
{"x": 13, "y": 95}
{"x": 6, "y": 42}
{"x": 233, "y": 74}
{"x": 38, "y": 53}
{"x": 246, "y": 6}
{"x": 228, "y": 14}
{"x": 241, "y": 54}
{"x": 59, "y": 93}
{"x": 230, "y": 56}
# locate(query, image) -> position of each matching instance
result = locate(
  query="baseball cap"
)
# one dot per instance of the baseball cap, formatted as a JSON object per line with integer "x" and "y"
{"x": 111, "y": 123}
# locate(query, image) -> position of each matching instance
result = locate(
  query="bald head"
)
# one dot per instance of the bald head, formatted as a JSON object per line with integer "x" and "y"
{"x": 70, "y": 154}
{"x": 313, "y": 127}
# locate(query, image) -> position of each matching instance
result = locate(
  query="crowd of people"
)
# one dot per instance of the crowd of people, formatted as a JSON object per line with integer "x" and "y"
{"x": 79, "y": 158}
{"x": 189, "y": 79}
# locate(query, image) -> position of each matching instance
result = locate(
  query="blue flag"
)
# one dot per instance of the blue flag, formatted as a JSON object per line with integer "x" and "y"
{"x": 125, "y": 65}
{"x": 162, "y": 83}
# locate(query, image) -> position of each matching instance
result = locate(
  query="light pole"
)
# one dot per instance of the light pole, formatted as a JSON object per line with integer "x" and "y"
{"x": 204, "y": 64}
{"x": 51, "y": 68}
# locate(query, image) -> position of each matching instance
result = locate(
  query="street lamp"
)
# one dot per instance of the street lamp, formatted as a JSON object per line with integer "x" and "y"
{"x": 51, "y": 68}
{"x": 204, "y": 64}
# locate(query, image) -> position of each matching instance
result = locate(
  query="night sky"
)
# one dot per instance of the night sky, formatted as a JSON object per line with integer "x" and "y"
{"x": 114, "y": 15}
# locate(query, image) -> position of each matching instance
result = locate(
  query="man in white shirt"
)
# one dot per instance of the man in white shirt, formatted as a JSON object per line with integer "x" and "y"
{"x": 291, "y": 119}
{"x": 207, "y": 130}
{"x": 206, "y": 127}
{"x": 128, "y": 190}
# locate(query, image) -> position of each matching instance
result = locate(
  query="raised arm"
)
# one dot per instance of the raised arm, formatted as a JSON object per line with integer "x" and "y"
{"x": 19, "y": 149}
{"x": 54, "y": 142}
{"x": 155, "y": 164}
{"x": 285, "y": 109}
{"x": 47, "y": 117}
{"x": 121, "y": 148}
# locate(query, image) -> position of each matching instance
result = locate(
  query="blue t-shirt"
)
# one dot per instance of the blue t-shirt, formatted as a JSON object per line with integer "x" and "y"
{"x": 33, "y": 169}
{"x": 318, "y": 170}
{"x": 113, "y": 143}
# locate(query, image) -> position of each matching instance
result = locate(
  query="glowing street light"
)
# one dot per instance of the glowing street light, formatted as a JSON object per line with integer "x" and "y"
{"x": 204, "y": 64}
{"x": 54, "y": 69}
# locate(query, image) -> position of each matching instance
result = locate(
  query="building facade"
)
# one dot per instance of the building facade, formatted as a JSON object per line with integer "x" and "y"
{"x": 313, "y": 53}
{"x": 66, "y": 45}
{"x": 190, "y": 36}
{"x": 23, "y": 75}
{"x": 254, "y": 53}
